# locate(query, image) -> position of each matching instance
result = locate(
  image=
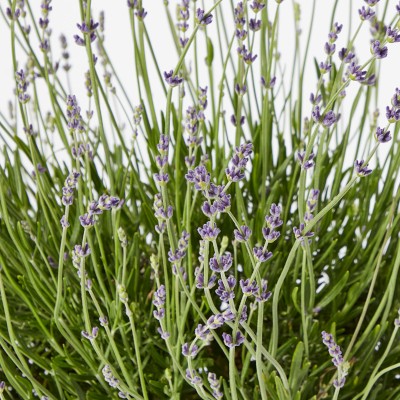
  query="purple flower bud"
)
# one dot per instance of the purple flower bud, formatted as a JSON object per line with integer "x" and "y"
{"x": 226, "y": 293}
{"x": 200, "y": 177}
{"x": 306, "y": 164}
{"x": 329, "y": 119}
{"x": 269, "y": 235}
{"x": 202, "y": 18}
{"x": 215, "y": 321}
{"x": 141, "y": 14}
{"x": 248, "y": 288}
{"x": 329, "y": 48}
{"x": 365, "y": 13}
{"x": 392, "y": 114}
{"x": 243, "y": 235}
{"x": 298, "y": 233}
{"x": 229, "y": 341}
{"x": 261, "y": 254}
{"x": 223, "y": 264}
{"x": 193, "y": 378}
{"x": 164, "y": 334}
{"x": 209, "y": 231}
{"x": 190, "y": 350}
{"x": 324, "y": 67}
{"x": 372, "y": 3}
{"x": 172, "y": 79}
{"x": 254, "y": 24}
{"x": 264, "y": 294}
{"x": 315, "y": 100}
{"x": 377, "y": 50}
{"x": 382, "y": 136}
{"x": 361, "y": 169}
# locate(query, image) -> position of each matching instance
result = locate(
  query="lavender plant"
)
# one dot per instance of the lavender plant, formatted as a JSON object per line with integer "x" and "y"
{"x": 199, "y": 239}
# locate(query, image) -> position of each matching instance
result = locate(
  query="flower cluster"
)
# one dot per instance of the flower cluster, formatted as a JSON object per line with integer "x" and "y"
{"x": 337, "y": 359}
{"x": 68, "y": 189}
{"x": 311, "y": 205}
{"x": 105, "y": 203}
{"x": 44, "y": 23}
{"x": 377, "y": 50}
{"x": 87, "y": 30}
{"x": 233, "y": 342}
{"x": 171, "y": 79}
{"x": 393, "y": 113}
{"x": 328, "y": 118}
{"x": 215, "y": 385}
{"x": 202, "y": 18}
{"x": 159, "y": 301}
{"x": 305, "y": 163}
{"x": 78, "y": 254}
{"x": 361, "y": 168}
{"x": 91, "y": 336}
{"x": 238, "y": 162}
{"x": 22, "y": 85}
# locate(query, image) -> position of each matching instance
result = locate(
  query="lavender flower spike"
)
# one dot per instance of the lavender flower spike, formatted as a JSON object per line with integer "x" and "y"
{"x": 337, "y": 359}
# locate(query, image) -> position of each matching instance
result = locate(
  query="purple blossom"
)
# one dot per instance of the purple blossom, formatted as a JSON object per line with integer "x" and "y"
{"x": 372, "y": 3}
{"x": 141, "y": 14}
{"x": 193, "y": 378}
{"x": 215, "y": 321}
{"x": 329, "y": 48}
{"x": 324, "y": 67}
{"x": 257, "y": 5}
{"x": 361, "y": 169}
{"x": 163, "y": 144}
{"x": 393, "y": 35}
{"x": 229, "y": 342}
{"x": 189, "y": 350}
{"x": 234, "y": 122}
{"x": 337, "y": 358}
{"x": 263, "y": 294}
{"x": 248, "y": 288}
{"x": 392, "y": 114}
{"x": 306, "y": 164}
{"x": 396, "y": 99}
{"x": 202, "y": 18}
{"x": 382, "y": 135}
{"x": 345, "y": 55}
{"x": 200, "y": 284}
{"x": 269, "y": 85}
{"x": 365, "y": 13}
{"x": 243, "y": 235}
{"x": 69, "y": 187}
{"x": 298, "y": 233}
{"x": 329, "y": 119}
{"x": 315, "y": 99}
{"x": 254, "y": 24}
{"x": 238, "y": 162}
{"x": 87, "y": 220}
{"x": 377, "y": 50}
{"x": 200, "y": 177}
{"x": 171, "y": 79}
{"x": 159, "y": 296}
{"x": 163, "y": 334}
{"x": 202, "y": 332}
{"x": 84, "y": 28}
{"x": 22, "y": 85}
{"x": 226, "y": 293}
{"x": 223, "y": 264}
{"x": 269, "y": 235}
{"x": 261, "y": 254}
{"x": 209, "y": 231}
{"x": 215, "y": 385}
{"x": 355, "y": 72}
{"x": 93, "y": 334}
